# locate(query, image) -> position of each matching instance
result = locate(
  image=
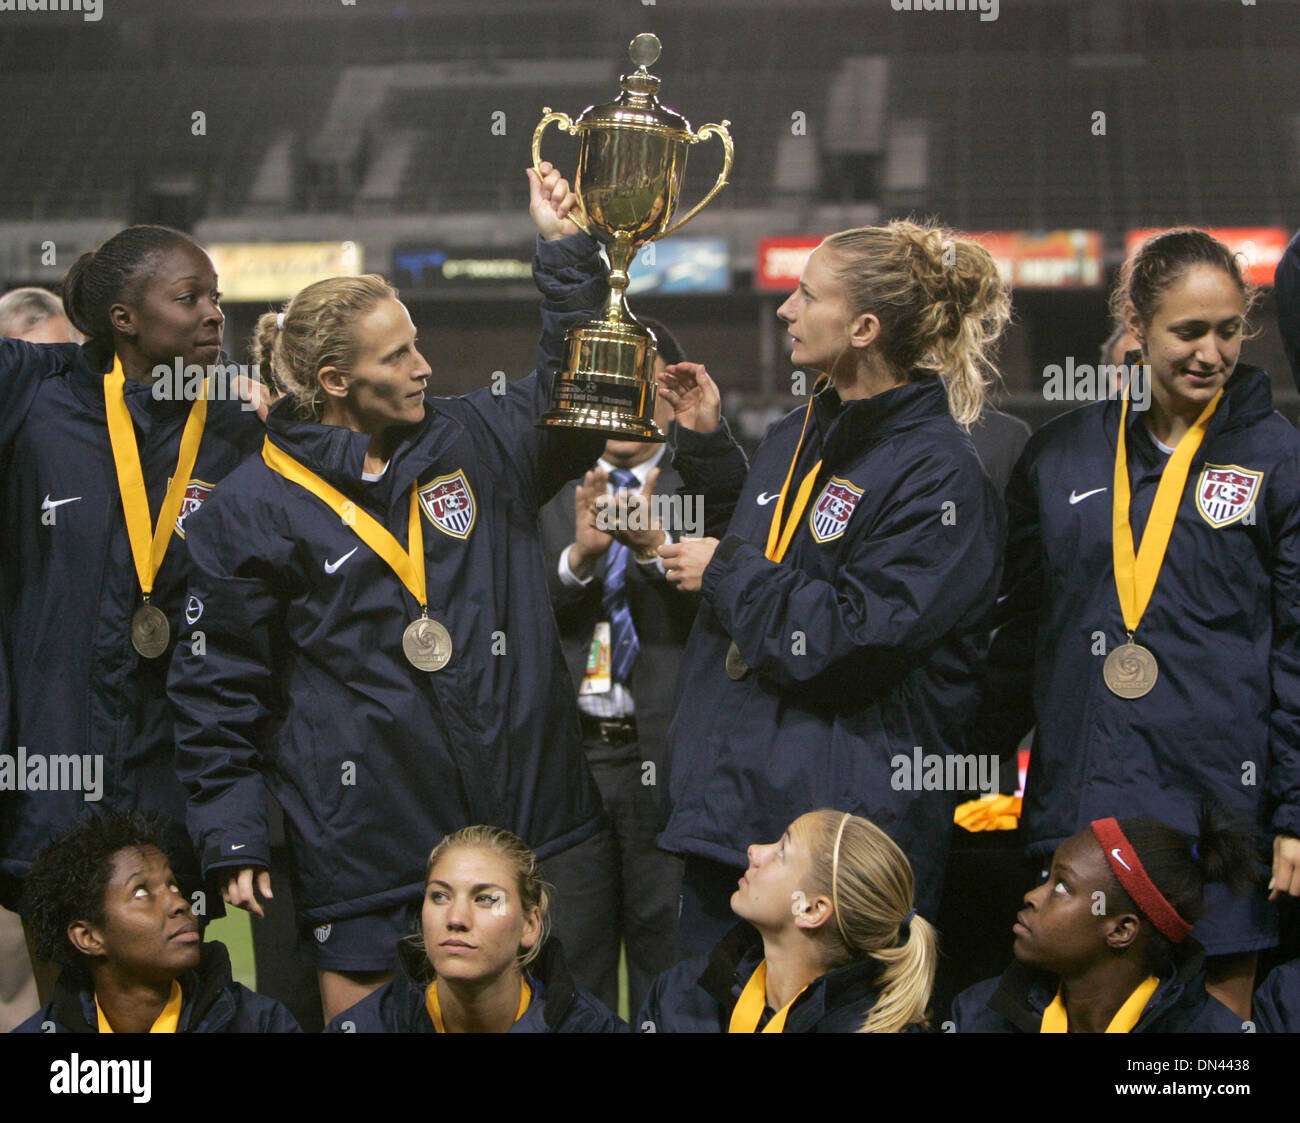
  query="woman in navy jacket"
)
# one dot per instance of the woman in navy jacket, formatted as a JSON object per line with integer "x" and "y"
{"x": 1149, "y": 710}
{"x": 384, "y": 698}
{"x": 1129, "y": 966}
{"x": 104, "y": 904}
{"x": 146, "y": 299}
{"x": 833, "y": 661}
{"x": 830, "y": 942}
{"x": 482, "y": 962}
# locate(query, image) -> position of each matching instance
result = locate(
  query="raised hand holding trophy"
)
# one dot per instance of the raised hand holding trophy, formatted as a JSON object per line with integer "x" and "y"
{"x": 630, "y": 167}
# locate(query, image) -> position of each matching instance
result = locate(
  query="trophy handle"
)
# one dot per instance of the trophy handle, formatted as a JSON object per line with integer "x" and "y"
{"x": 728, "y": 154}
{"x": 577, "y": 217}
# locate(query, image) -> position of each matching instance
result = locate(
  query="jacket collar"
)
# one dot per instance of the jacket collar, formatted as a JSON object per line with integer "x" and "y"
{"x": 850, "y": 428}
{"x": 201, "y": 989}
{"x": 1247, "y": 399}
{"x": 338, "y": 455}
{"x": 738, "y": 955}
{"x": 548, "y": 974}
{"x": 86, "y": 378}
{"x": 1023, "y": 992}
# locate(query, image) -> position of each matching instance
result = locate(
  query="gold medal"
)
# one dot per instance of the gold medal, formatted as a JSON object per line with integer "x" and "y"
{"x": 426, "y": 644}
{"x": 150, "y": 632}
{"x": 1130, "y": 671}
{"x": 737, "y": 668}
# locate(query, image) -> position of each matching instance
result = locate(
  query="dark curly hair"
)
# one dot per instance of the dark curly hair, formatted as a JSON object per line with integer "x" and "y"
{"x": 68, "y": 880}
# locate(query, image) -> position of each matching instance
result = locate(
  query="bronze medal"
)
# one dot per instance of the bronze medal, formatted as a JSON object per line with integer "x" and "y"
{"x": 737, "y": 668}
{"x": 1130, "y": 671}
{"x": 427, "y": 644}
{"x": 150, "y": 632}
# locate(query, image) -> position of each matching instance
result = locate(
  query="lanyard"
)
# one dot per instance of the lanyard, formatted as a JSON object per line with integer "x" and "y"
{"x": 1135, "y": 575}
{"x": 166, "y": 1022}
{"x": 780, "y": 534}
{"x": 148, "y": 545}
{"x": 402, "y": 562}
{"x": 1055, "y": 1019}
{"x": 753, "y": 1001}
{"x": 434, "y": 1007}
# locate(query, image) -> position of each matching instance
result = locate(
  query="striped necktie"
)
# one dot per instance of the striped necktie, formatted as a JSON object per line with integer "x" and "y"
{"x": 622, "y": 632}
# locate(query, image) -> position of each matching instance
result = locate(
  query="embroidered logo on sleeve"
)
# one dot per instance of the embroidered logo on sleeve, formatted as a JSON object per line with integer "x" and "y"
{"x": 449, "y": 503}
{"x": 1226, "y": 492}
{"x": 833, "y": 509}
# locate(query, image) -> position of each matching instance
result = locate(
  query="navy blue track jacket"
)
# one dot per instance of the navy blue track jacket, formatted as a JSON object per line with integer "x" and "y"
{"x": 1286, "y": 293}
{"x": 558, "y": 1004}
{"x": 864, "y": 640}
{"x": 212, "y": 1002}
{"x": 1277, "y": 1001}
{"x": 1015, "y": 1002}
{"x": 1223, "y": 719}
{"x": 301, "y": 683}
{"x": 699, "y": 994}
{"x": 76, "y": 684}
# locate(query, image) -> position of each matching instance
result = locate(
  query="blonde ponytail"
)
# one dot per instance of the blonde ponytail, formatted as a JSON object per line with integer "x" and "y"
{"x": 315, "y": 330}
{"x": 940, "y": 300}
{"x": 869, "y": 881}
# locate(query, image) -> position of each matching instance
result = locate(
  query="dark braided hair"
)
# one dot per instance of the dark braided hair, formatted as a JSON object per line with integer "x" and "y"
{"x": 67, "y": 882}
{"x": 111, "y": 274}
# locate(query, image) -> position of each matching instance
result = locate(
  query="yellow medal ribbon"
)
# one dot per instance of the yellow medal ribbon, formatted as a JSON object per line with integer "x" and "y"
{"x": 408, "y": 564}
{"x": 780, "y": 535}
{"x": 1055, "y": 1019}
{"x": 1136, "y": 574}
{"x": 434, "y": 1007}
{"x": 148, "y": 545}
{"x": 166, "y": 1022}
{"x": 753, "y": 1001}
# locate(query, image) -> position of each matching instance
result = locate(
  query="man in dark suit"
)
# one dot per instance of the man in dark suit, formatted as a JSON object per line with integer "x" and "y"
{"x": 623, "y": 628}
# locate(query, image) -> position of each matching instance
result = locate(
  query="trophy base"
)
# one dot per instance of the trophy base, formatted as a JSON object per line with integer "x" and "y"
{"x": 607, "y": 385}
{"x": 617, "y": 425}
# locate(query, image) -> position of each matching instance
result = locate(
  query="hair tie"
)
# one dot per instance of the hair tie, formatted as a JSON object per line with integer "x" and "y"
{"x": 279, "y": 322}
{"x": 835, "y": 877}
{"x": 1131, "y": 874}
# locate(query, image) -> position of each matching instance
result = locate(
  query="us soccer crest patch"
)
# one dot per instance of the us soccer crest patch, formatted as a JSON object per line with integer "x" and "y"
{"x": 1225, "y": 493}
{"x": 196, "y": 491}
{"x": 833, "y": 509}
{"x": 449, "y": 503}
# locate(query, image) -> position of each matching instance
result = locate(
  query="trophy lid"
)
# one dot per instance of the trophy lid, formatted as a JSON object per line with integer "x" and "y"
{"x": 638, "y": 106}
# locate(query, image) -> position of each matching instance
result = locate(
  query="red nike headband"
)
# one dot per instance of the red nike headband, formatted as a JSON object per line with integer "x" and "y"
{"x": 1137, "y": 882}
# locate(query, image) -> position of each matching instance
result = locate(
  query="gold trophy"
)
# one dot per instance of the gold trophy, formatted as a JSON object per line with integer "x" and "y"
{"x": 630, "y": 167}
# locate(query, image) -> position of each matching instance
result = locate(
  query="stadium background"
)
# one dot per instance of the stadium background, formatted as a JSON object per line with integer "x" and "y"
{"x": 399, "y": 131}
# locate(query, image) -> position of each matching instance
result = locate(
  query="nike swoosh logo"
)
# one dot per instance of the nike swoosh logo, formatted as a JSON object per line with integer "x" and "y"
{"x": 1075, "y": 497}
{"x": 330, "y": 567}
{"x": 1115, "y": 854}
{"x": 240, "y": 846}
{"x": 764, "y": 499}
{"x": 49, "y": 504}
